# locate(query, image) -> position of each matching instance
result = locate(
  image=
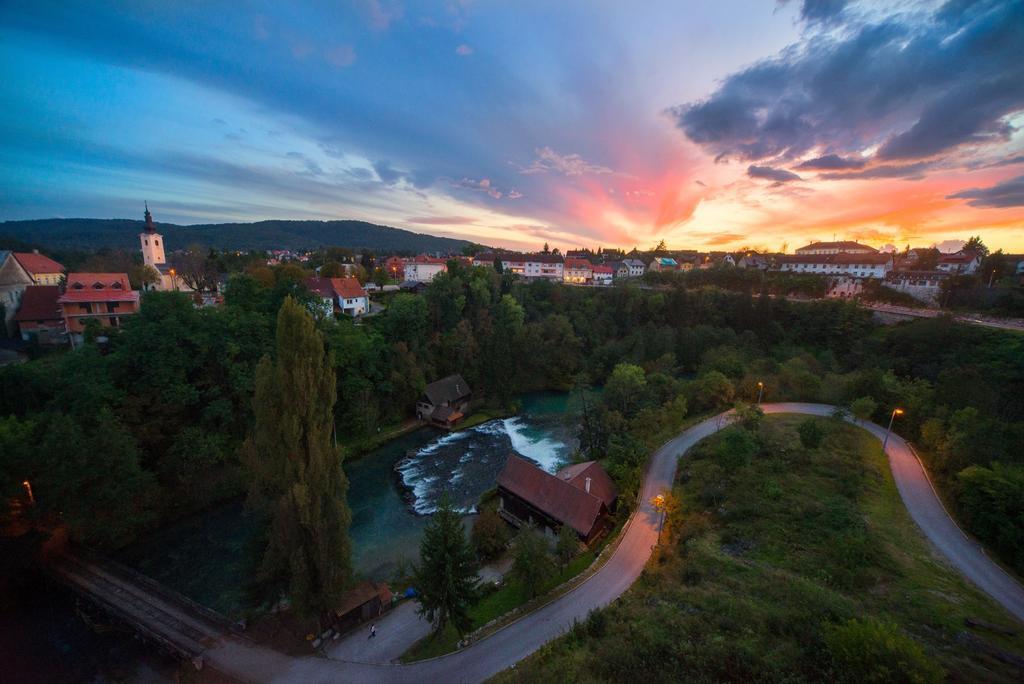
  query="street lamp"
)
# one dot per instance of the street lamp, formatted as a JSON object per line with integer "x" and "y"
{"x": 760, "y": 392}
{"x": 895, "y": 412}
{"x": 659, "y": 506}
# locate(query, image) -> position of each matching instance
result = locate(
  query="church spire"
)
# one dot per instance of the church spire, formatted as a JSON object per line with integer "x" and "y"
{"x": 150, "y": 228}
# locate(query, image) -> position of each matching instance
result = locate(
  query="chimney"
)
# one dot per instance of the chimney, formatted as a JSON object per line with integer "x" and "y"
{"x": 587, "y": 485}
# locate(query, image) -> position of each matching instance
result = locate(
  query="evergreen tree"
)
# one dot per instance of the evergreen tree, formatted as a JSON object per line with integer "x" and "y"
{"x": 446, "y": 576}
{"x": 297, "y": 480}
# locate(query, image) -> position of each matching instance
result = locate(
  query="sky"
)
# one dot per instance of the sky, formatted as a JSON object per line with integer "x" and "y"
{"x": 723, "y": 124}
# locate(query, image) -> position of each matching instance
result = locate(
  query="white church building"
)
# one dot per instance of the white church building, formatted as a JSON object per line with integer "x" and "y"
{"x": 153, "y": 256}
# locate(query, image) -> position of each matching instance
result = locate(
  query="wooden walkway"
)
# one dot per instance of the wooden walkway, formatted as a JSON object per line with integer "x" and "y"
{"x": 159, "y": 614}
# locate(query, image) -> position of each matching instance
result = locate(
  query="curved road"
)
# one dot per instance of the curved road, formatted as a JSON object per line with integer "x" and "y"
{"x": 513, "y": 643}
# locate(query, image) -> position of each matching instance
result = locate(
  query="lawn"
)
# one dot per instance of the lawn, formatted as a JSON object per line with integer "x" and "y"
{"x": 789, "y": 564}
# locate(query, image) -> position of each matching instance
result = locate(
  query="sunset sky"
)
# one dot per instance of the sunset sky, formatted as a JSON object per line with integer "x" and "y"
{"x": 711, "y": 125}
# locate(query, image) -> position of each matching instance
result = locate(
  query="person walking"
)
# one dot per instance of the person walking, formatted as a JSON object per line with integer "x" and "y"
{"x": 373, "y": 631}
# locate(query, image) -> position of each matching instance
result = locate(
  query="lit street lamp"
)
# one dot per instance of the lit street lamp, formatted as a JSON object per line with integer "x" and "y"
{"x": 895, "y": 412}
{"x": 760, "y": 392}
{"x": 659, "y": 506}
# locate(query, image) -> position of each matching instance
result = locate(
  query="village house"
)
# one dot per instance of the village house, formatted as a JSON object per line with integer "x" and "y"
{"x": 840, "y": 247}
{"x": 343, "y": 296}
{"x": 444, "y": 402}
{"x": 40, "y": 316}
{"x": 578, "y": 271}
{"x": 422, "y": 269}
{"x": 19, "y": 271}
{"x": 661, "y": 264}
{"x": 960, "y": 263}
{"x": 580, "y": 495}
{"x": 363, "y": 602}
{"x": 619, "y": 268}
{"x": 635, "y": 266}
{"x": 753, "y": 260}
{"x": 103, "y": 297}
{"x": 603, "y": 275}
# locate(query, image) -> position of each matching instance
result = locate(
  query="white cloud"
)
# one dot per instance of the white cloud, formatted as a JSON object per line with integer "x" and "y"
{"x": 566, "y": 164}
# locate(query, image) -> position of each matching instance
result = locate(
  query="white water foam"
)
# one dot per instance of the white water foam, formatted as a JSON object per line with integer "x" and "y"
{"x": 546, "y": 452}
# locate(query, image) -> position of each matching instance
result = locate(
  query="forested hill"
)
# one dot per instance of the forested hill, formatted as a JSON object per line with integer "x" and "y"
{"x": 123, "y": 233}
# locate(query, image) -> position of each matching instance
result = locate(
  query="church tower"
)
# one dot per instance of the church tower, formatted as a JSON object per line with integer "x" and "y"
{"x": 152, "y": 243}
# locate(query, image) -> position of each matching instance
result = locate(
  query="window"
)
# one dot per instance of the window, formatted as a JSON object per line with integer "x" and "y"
{"x": 146, "y": 241}
{"x": 156, "y": 243}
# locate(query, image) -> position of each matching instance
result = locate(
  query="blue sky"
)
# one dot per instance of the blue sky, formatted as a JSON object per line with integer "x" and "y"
{"x": 578, "y": 123}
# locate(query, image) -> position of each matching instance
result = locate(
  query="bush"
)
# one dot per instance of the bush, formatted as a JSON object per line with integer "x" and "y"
{"x": 811, "y": 434}
{"x": 490, "y": 535}
{"x": 871, "y": 650}
{"x": 992, "y": 503}
{"x": 736, "y": 448}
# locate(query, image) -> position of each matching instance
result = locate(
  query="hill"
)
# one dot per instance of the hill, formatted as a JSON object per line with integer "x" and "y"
{"x": 91, "y": 234}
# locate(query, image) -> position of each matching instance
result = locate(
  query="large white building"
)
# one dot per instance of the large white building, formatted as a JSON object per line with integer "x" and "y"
{"x": 868, "y": 265}
{"x": 961, "y": 263}
{"x": 841, "y": 247}
{"x": 422, "y": 269}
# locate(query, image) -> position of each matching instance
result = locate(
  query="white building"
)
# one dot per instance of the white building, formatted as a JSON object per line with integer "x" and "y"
{"x": 841, "y": 247}
{"x": 422, "y": 269}
{"x": 603, "y": 275}
{"x": 875, "y": 265}
{"x": 925, "y": 286}
{"x": 961, "y": 263}
{"x": 339, "y": 296}
{"x": 635, "y": 266}
{"x": 152, "y": 244}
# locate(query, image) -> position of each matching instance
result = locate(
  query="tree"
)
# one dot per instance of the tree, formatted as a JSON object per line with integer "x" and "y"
{"x": 974, "y": 245}
{"x": 296, "y": 476}
{"x": 567, "y": 546}
{"x": 811, "y": 433}
{"x": 198, "y": 269}
{"x": 713, "y": 390}
{"x": 625, "y": 390}
{"x": 863, "y": 408}
{"x": 748, "y": 415}
{"x": 490, "y": 534}
{"x": 547, "y": 249}
{"x": 446, "y": 575}
{"x": 531, "y": 564}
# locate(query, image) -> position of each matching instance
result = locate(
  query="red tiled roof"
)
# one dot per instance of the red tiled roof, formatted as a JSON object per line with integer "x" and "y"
{"x": 552, "y": 495}
{"x": 423, "y": 259}
{"x": 581, "y": 264}
{"x": 601, "y": 485}
{"x": 39, "y": 303}
{"x": 354, "y": 598}
{"x": 74, "y": 296}
{"x": 348, "y": 287}
{"x": 89, "y": 280}
{"x": 37, "y": 263}
{"x": 321, "y": 286}
{"x": 956, "y": 258}
{"x": 604, "y": 269}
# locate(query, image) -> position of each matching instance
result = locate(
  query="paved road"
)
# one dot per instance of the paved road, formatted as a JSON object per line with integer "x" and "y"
{"x": 513, "y": 643}
{"x": 968, "y": 319}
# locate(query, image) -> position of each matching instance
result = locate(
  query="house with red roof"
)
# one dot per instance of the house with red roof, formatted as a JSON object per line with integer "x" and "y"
{"x": 104, "y": 297}
{"x": 422, "y": 269}
{"x": 40, "y": 316}
{"x": 340, "y": 296}
{"x": 577, "y": 271}
{"x": 19, "y": 271}
{"x": 604, "y": 275}
{"x": 42, "y": 269}
{"x": 580, "y": 495}
{"x": 960, "y": 263}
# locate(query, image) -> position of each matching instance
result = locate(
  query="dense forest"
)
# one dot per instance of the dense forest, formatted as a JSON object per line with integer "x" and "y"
{"x": 91, "y": 234}
{"x": 119, "y": 438}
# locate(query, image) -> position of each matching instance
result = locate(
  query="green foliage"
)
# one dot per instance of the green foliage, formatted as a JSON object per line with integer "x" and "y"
{"x": 812, "y": 434}
{"x": 446, "y": 575}
{"x": 736, "y": 447}
{"x": 567, "y": 545}
{"x": 863, "y": 408}
{"x": 873, "y": 650}
{"x": 712, "y": 390}
{"x": 490, "y": 534}
{"x": 626, "y": 389}
{"x": 991, "y": 501}
{"x": 296, "y": 476}
{"x": 531, "y": 564}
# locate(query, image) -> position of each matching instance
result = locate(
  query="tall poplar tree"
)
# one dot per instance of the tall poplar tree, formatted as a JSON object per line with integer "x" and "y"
{"x": 297, "y": 480}
{"x": 446, "y": 576}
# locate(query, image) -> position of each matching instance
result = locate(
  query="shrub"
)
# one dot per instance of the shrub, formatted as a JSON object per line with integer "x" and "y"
{"x": 736, "y": 448}
{"x": 490, "y": 535}
{"x": 811, "y": 434}
{"x": 871, "y": 650}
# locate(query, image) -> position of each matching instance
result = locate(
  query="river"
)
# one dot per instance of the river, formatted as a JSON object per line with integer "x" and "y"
{"x": 392, "y": 491}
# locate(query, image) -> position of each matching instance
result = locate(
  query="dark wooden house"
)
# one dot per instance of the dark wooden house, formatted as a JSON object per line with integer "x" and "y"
{"x": 444, "y": 402}
{"x": 580, "y": 495}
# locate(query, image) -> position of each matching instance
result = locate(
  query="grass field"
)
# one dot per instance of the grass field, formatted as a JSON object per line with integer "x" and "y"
{"x": 789, "y": 564}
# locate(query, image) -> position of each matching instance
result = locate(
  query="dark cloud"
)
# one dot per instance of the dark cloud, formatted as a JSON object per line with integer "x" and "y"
{"x": 906, "y": 171}
{"x": 1009, "y": 193}
{"x": 832, "y": 162}
{"x": 822, "y": 11}
{"x": 769, "y": 173}
{"x": 917, "y": 86}
{"x": 386, "y": 173}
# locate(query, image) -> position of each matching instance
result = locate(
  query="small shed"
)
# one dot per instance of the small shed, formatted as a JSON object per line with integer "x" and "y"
{"x": 364, "y": 601}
